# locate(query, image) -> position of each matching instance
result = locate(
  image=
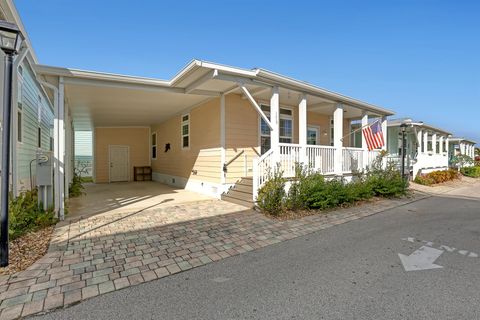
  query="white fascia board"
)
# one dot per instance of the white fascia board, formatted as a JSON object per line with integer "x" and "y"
{"x": 305, "y": 87}
{"x": 412, "y": 123}
{"x": 196, "y": 83}
{"x": 196, "y": 64}
{"x": 12, "y": 13}
{"x": 94, "y": 75}
{"x": 458, "y": 139}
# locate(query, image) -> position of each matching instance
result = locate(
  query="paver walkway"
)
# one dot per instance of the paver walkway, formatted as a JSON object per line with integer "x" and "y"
{"x": 103, "y": 253}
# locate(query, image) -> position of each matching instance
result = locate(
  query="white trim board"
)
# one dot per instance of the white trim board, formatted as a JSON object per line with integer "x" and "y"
{"x": 211, "y": 189}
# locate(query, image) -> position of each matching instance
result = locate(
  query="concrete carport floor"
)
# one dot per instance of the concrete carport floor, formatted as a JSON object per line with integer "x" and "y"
{"x": 120, "y": 197}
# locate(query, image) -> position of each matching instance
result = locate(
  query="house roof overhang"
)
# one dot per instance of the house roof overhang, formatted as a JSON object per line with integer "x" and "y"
{"x": 419, "y": 124}
{"x": 107, "y": 99}
{"x": 458, "y": 139}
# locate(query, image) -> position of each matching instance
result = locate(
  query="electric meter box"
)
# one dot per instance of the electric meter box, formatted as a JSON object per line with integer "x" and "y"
{"x": 44, "y": 168}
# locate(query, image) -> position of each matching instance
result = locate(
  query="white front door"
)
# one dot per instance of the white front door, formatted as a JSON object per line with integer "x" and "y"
{"x": 119, "y": 170}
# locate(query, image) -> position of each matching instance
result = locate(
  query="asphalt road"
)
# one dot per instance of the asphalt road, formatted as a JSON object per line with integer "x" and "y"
{"x": 351, "y": 271}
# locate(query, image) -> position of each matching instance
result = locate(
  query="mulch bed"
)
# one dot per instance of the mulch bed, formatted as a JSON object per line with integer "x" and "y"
{"x": 297, "y": 214}
{"x": 27, "y": 249}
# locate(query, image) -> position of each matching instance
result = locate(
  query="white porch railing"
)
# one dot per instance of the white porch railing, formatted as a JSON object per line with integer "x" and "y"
{"x": 317, "y": 158}
{"x": 321, "y": 158}
{"x": 261, "y": 167}
{"x": 352, "y": 159}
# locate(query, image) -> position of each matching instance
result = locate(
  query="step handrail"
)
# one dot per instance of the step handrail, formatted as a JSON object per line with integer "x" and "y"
{"x": 235, "y": 157}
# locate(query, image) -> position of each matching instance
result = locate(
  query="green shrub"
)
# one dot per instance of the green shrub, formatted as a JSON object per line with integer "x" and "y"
{"x": 385, "y": 182}
{"x": 310, "y": 190}
{"x": 271, "y": 196}
{"x": 473, "y": 172}
{"x": 26, "y": 215}
{"x": 438, "y": 176}
{"x": 423, "y": 180}
{"x": 76, "y": 187}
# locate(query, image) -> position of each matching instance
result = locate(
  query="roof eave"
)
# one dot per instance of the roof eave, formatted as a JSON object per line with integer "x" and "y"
{"x": 314, "y": 90}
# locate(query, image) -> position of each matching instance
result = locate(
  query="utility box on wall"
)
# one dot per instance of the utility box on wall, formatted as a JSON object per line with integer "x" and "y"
{"x": 44, "y": 178}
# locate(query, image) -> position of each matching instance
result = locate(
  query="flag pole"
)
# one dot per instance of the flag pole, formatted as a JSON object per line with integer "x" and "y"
{"x": 361, "y": 128}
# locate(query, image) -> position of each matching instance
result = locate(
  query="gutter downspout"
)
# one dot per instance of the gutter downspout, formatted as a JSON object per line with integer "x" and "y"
{"x": 14, "y": 139}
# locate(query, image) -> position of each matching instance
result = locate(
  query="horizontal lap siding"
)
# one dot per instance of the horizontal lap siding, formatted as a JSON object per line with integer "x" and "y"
{"x": 136, "y": 138}
{"x": 27, "y": 149}
{"x": 241, "y": 133}
{"x": 202, "y": 161}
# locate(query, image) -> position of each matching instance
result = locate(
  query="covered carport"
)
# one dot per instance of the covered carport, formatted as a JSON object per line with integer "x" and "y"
{"x": 86, "y": 101}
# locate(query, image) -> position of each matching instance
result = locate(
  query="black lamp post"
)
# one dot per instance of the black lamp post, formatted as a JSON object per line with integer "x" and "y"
{"x": 403, "y": 127}
{"x": 10, "y": 42}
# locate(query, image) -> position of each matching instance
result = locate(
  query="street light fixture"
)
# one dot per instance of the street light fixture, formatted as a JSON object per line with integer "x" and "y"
{"x": 403, "y": 127}
{"x": 10, "y": 42}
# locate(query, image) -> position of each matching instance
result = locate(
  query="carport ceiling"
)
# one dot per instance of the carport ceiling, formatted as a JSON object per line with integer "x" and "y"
{"x": 101, "y": 106}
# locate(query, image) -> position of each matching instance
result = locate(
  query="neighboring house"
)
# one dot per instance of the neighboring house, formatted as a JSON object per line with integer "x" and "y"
{"x": 426, "y": 146}
{"x": 211, "y": 126}
{"x": 460, "y": 146}
{"x": 32, "y": 113}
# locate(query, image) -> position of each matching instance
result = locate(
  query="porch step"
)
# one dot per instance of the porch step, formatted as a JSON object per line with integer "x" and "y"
{"x": 241, "y": 193}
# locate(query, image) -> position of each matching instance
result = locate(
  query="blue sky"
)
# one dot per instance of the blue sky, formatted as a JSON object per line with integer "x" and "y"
{"x": 420, "y": 58}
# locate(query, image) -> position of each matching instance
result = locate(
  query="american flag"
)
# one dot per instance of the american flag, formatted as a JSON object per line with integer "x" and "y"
{"x": 374, "y": 136}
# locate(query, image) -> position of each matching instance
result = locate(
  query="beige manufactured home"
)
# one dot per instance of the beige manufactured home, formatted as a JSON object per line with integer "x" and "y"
{"x": 209, "y": 127}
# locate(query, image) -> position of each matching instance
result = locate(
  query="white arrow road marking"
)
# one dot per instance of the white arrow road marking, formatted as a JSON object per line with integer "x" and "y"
{"x": 421, "y": 259}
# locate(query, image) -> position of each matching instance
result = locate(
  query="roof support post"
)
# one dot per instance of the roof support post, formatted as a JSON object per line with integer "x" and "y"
{"x": 223, "y": 174}
{"x": 384, "y": 131}
{"x": 364, "y": 141}
{"x": 440, "y": 145}
{"x": 274, "y": 127}
{"x": 425, "y": 141}
{"x": 434, "y": 143}
{"x": 419, "y": 142}
{"x": 447, "y": 146}
{"x": 302, "y": 128}
{"x": 337, "y": 139}
{"x": 59, "y": 151}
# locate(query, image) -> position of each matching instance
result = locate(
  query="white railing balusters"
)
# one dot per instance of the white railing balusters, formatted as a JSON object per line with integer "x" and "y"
{"x": 318, "y": 158}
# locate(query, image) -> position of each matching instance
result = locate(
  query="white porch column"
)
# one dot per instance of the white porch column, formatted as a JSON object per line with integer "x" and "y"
{"x": 302, "y": 128}
{"x": 447, "y": 146}
{"x": 223, "y": 177}
{"x": 275, "y": 121}
{"x": 364, "y": 141}
{"x": 440, "y": 142}
{"x": 59, "y": 152}
{"x": 425, "y": 141}
{"x": 384, "y": 131}
{"x": 434, "y": 143}
{"x": 419, "y": 139}
{"x": 337, "y": 138}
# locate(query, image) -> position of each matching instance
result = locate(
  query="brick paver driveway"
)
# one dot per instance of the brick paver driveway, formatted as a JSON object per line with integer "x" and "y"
{"x": 102, "y": 253}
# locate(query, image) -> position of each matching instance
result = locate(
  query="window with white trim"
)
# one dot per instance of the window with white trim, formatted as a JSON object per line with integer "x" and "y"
{"x": 285, "y": 128}
{"x": 186, "y": 131}
{"x": 154, "y": 146}
{"x": 429, "y": 143}
{"x": 312, "y": 135}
